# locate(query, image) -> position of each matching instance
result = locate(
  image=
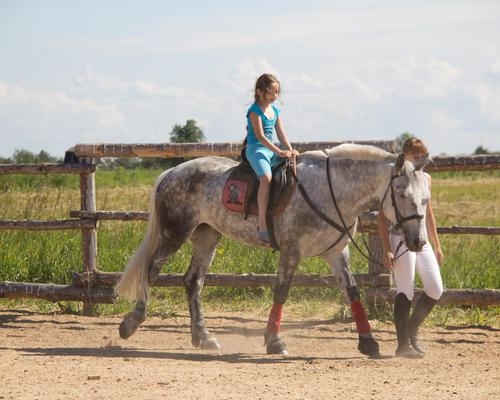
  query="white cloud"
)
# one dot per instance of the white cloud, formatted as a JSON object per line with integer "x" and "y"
{"x": 89, "y": 79}
{"x": 488, "y": 97}
{"x": 242, "y": 76}
{"x": 411, "y": 77}
{"x": 305, "y": 81}
{"x": 441, "y": 119}
{"x": 98, "y": 108}
{"x": 381, "y": 98}
{"x": 53, "y": 107}
{"x": 41, "y": 120}
{"x": 102, "y": 85}
{"x": 494, "y": 61}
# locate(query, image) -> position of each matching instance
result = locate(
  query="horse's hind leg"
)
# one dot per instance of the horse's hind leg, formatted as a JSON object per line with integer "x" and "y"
{"x": 339, "y": 264}
{"x": 204, "y": 241}
{"x": 133, "y": 320}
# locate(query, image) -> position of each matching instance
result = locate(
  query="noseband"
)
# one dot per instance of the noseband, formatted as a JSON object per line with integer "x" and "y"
{"x": 400, "y": 220}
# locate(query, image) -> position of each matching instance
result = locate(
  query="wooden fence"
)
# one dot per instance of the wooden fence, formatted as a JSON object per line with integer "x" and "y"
{"x": 94, "y": 286}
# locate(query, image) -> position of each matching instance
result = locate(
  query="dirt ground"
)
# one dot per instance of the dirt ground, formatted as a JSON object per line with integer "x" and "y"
{"x": 44, "y": 356}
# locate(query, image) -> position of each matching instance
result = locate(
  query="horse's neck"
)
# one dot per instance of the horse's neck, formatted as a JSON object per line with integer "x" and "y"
{"x": 357, "y": 185}
{"x": 368, "y": 191}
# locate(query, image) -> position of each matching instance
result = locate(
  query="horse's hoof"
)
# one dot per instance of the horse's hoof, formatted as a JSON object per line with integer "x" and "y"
{"x": 369, "y": 347}
{"x": 204, "y": 340}
{"x": 210, "y": 343}
{"x": 129, "y": 325}
{"x": 275, "y": 345}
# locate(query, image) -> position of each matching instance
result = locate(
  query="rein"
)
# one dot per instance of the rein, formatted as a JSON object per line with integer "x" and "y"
{"x": 369, "y": 257}
{"x": 342, "y": 229}
{"x": 346, "y": 230}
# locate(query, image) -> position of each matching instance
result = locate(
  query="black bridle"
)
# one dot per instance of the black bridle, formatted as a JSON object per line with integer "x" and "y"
{"x": 400, "y": 220}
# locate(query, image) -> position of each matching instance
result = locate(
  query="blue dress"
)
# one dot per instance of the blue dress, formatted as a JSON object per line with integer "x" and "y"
{"x": 260, "y": 157}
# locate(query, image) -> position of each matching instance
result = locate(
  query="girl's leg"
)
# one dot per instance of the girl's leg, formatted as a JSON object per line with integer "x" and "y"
{"x": 260, "y": 159}
{"x": 262, "y": 202}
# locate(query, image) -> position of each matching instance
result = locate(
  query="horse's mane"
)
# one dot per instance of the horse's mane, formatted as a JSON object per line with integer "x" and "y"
{"x": 359, "y": 152}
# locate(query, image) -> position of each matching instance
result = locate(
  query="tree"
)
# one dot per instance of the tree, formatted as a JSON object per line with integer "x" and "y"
{"x": 189, "y": 133}
{"x": 481, "y": 150}
{"x": 22, "y": 156}
{"x": 400, "y": 141}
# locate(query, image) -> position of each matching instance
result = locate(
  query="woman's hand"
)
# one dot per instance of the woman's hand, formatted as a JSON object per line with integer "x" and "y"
{"x": 439, "y": 256}
{"x": 389, "y": 260}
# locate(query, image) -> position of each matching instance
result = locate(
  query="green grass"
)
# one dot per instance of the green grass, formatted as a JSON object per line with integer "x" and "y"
{"x": 471, "y": 261}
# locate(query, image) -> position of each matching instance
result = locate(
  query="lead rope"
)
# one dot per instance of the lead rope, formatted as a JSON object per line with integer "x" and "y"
{"x": 321, "y": 215}
{"x": 396, "y": 256}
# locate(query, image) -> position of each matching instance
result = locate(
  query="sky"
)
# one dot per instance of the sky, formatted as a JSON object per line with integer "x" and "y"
{"x": 93, "y": 71}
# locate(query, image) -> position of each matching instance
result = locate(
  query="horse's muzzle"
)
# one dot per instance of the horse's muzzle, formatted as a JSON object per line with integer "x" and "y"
{"x": 417, "y": 244}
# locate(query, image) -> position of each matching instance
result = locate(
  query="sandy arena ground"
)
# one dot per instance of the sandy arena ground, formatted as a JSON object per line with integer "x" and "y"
{"x": 45, "y": 356}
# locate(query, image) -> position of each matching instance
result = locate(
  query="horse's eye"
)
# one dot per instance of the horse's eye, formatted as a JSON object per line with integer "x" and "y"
{"x": 402, "y": 195}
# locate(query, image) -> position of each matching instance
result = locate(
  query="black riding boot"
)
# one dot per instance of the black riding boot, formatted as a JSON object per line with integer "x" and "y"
{"x": 401, "y": 319}
{"x": 424, "y": 306}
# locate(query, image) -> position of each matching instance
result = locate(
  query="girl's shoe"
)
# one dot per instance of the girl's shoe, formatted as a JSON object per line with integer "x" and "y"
{"x": 265, "y": 236}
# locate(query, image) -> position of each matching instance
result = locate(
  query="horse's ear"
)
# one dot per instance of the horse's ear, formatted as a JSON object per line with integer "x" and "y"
{"x": 420, "y": 164}
{"x": 399, "y": 163}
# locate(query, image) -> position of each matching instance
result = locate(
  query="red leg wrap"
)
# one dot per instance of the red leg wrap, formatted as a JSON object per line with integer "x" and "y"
{"x": 274, "y": 322}
{"x": 358, "y": 312}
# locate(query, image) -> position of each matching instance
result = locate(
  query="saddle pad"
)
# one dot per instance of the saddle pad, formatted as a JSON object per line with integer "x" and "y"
{"x": 240, "y": 191}
{"x": 235, "y": 195}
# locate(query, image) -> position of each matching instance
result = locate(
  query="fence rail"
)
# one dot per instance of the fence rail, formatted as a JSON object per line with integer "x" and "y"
{"x": 172, "y": 150}
{"x": 93, "y": 286}
{"x": 46, "y": 168}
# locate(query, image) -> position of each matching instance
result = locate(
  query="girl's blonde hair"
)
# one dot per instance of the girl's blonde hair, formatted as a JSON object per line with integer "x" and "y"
{"x": 264, "y": 83}
{"x": 414, "y": 146}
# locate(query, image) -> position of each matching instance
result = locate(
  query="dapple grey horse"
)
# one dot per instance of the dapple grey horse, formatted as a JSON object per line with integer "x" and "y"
{"x": 336, "y": 184}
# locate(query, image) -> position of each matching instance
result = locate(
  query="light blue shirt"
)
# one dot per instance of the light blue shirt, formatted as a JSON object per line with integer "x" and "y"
{"x": 267, "y": 124}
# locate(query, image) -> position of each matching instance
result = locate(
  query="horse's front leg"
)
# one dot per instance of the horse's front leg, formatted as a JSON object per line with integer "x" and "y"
{"x": 204, "y": 241}
{"x": 339, "y": 264}
{"x": 289, "y": 259}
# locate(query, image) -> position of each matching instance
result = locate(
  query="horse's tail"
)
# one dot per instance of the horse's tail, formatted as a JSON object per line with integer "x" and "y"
{"x": 133, "y": 284}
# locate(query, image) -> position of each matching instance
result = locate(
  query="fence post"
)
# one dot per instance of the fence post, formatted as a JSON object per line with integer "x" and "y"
{"x": 89, "y": 236}
{"x": 376, "y": 255}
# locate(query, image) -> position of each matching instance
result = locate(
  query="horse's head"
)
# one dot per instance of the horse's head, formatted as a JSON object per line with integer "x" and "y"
{"x": 404, "y": 198}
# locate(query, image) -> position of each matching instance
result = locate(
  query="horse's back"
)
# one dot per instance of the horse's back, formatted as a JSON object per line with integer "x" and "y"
{"x": 194, "y": 181}
{"x": 197, "y": 170}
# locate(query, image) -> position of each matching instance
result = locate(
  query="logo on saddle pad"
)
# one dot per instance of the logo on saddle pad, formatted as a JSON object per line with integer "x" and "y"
{"x": 240, "y": 189}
